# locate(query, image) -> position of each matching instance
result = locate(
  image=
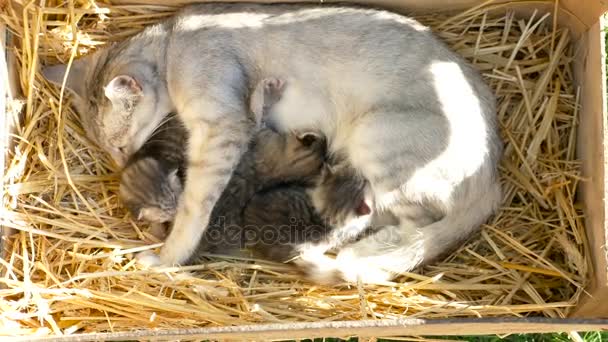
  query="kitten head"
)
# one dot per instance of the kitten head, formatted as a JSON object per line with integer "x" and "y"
{"x": 340, "y": 195}
{"x": 119, "y": 110}
{"x": 290, "y": 157}
{"x": 149, "y": 190}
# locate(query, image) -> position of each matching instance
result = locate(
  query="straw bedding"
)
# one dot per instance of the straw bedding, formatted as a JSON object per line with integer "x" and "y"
{"x": 68, "y": 266}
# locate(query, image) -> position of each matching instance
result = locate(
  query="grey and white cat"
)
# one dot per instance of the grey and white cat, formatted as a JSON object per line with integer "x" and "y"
{"x": 408, "y": 114}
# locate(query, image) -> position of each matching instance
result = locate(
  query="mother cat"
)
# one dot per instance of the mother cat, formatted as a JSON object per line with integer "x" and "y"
{"x": 405, "y": 111}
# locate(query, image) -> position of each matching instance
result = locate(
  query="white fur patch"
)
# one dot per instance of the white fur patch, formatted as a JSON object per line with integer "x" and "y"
{"x": 467, "y": 142}
{"x": 196, "y": 22}
{"x": 147, "y": 259}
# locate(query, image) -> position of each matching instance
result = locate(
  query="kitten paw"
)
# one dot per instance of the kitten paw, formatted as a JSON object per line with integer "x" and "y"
{"x": 147, "y": 259}
{"x": 158, "y": 230}
{"x": 155, "y": 214}
{"x": 318, "y": 267}
{"x": 274, "y": 86}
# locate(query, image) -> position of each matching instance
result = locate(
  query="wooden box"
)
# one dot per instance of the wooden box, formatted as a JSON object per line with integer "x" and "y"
{"x": 585, "y": 22}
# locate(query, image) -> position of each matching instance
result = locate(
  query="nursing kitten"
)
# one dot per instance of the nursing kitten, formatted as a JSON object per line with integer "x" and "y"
{"x": 151, "y": 181}
{"x": 410, "y": 116}
{"x": 265, "y": 207}
{"x": 340, "y": 187}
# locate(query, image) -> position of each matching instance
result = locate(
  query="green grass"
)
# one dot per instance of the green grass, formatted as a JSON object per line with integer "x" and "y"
{"x": 587, "y": 337}
{"x": 606, "y": 43}
{"x": 594, "y": 336}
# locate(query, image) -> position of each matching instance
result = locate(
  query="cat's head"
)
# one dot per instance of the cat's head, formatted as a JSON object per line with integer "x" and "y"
{"x": 118, "y": 107}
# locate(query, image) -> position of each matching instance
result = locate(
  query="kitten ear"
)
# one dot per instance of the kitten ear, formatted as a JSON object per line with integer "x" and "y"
{"x": 308, "y": 138}
{"x": 326, "y": 173}
{"x": 153, "y": 214}
{"x": 363, "y": 209}
{"x": 175, "y": 182}
{"x": 124, "y": 91}
{"x": 75, "y": 81}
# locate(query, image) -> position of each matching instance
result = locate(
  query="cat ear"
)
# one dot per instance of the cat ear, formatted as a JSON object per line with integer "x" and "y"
{"x": 124, "y": 91}
{"x": 76, "y": 78}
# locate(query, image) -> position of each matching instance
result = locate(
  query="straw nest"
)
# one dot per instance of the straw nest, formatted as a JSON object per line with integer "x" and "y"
{"x": 68, "y": 266}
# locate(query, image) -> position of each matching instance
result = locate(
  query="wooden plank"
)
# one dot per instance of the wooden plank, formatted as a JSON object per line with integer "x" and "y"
{"x": 366, "y": 328}
{"x": 9, "y": 91}
{"x": 592, "y": 148}
{"x": 4, "y": 127}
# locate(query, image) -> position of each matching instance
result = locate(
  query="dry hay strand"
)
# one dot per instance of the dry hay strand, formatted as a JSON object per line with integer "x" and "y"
{"x": 69, "y": 267}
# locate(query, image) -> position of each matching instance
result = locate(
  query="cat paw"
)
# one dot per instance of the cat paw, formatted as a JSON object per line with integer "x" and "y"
{"x": 174, "y": 252}
{"x": 147, "y": 259}
{"x": 184, "y": 236}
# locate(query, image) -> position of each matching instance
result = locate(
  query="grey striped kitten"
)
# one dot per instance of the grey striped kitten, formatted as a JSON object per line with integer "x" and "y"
{"x": 151, "y": 182}
{"x": 265, "y": 208}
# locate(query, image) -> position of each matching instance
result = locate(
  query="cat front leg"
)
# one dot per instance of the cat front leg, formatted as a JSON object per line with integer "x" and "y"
{"x": 215, "y": 146}
{"x": 209, "y": 88}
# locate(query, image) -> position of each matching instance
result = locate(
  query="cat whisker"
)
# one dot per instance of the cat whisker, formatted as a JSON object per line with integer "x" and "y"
{"x": 162, "y": 141}
{"x": 162, "y": 123}
{"x": 156, "y": 132}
